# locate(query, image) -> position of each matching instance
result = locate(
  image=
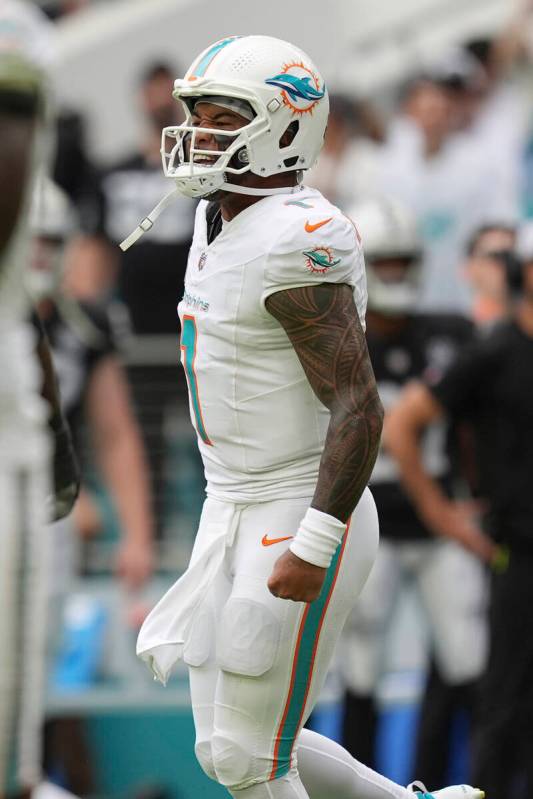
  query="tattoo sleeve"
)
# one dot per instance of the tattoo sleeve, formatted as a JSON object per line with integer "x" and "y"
{"x": 323, "y": 326}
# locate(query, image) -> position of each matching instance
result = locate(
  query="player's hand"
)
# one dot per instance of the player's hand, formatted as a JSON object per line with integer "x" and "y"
{"x": 459, "y": 521}
{"x": 65, "y": 472}
{"x": 294, "y": 578}
{"x": 135, "y": 562}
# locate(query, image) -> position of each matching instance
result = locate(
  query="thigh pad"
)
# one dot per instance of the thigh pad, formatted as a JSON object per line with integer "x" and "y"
{"x": 247, "y": 638}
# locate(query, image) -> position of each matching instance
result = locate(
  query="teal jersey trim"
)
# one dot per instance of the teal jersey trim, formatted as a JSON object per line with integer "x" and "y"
{"x": 189, "y": 339}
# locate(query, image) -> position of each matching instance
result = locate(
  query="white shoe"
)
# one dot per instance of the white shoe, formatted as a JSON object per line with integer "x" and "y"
{"x": 47, "y": 790}
{"x": 452, "y": 792}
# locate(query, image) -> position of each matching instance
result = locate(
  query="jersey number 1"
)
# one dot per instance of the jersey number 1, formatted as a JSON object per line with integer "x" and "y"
{"x": 189, "y": 336}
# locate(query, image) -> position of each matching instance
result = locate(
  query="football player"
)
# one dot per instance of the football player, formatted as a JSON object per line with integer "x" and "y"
{"x": 25, "y": 51}
{"x": 284, "y": 401}
{"x": 405, "y": 345}
{"x": 489, "y": 386}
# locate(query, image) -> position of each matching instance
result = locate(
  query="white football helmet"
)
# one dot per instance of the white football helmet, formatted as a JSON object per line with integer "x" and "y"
{"x": 278, "y": 84}
{"x": 52, "y": 214}
{"x": 389, "y": 232}
{"x": 52, "y": 223}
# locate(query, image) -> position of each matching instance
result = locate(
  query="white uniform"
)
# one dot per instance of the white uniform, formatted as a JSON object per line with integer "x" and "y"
{"x": 257, "y": 662}
{"x": 261, "y": 427}
{"x": 25, "y": 49}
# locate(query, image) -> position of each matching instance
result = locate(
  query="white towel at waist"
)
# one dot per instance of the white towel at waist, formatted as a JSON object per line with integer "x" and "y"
{"x": 166, "y": 628}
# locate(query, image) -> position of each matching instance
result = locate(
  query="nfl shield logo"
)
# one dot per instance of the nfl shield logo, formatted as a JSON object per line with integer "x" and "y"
{"x": 201, "y": 262}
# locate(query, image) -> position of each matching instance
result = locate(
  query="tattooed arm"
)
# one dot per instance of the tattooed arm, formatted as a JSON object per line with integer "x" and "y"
{"x": 323, "y": 326}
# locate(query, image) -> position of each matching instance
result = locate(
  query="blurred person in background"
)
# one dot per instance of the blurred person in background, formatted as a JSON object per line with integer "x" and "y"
{"x": 502, "y": 107}
{"x": 149, "y": 277}
{"x": 490, "y": 387}
{"x": 452, "y": 188}
{"x": 489, "y": 256}
{"x": 483, "y": 270}
{"x": 150, "y": 274}
{"x": 490, "y": 112}
{"x": 346, "y": 169}
{"x": 95, "y": 399}
{"x": 93, "y": 388}
{"x": 404, "y": 345}
{"x": 26, "y": 485}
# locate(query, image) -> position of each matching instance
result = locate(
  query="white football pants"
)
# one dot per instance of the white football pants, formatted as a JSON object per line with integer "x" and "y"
{"x": 451, "y": 587}
{"x": 257, "y": 662}
{"x": 23, "y": 594}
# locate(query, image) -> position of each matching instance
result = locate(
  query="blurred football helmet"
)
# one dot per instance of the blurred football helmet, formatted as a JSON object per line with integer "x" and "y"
{"x": 389, "y": 233}
{"x": 281, "y": 88}
{"x": 52, "y": 223}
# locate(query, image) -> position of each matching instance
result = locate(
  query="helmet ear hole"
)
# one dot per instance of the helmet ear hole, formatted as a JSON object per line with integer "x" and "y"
{"x": 289, "y": 134}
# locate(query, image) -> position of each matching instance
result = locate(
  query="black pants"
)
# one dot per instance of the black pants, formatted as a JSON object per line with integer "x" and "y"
{"x": 359, "y": 726}
{"x": 503, "y": 740}
{"x": 440, "y": 705}
{"x": 154, "y": 388}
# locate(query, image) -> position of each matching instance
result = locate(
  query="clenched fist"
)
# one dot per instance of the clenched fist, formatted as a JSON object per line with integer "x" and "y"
{"x": 294, "y": 578}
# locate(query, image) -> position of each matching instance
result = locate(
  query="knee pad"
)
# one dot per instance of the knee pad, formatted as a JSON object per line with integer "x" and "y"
{"x": 232, "y": 762}
{"x": 204, "y": 756}
{"x": 247, "y": 638}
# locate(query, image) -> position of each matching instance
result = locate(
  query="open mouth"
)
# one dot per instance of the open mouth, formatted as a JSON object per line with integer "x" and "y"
{"x": 206, "y": 160}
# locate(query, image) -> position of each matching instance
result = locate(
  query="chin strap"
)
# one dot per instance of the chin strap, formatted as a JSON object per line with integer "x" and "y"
{"x": 149, "y": 220}
{"x": 235, "y": 189}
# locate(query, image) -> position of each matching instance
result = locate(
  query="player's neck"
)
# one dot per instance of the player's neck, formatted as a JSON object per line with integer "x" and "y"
{"x": 232, "y": 204}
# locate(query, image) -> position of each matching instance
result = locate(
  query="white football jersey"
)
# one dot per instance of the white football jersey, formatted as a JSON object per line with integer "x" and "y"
{"x": 261, "y": 429}
{"x": 25, "y": 58}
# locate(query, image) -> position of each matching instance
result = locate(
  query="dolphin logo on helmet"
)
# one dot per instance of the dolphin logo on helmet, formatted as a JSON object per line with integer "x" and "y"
{"x": 296, "y": 88}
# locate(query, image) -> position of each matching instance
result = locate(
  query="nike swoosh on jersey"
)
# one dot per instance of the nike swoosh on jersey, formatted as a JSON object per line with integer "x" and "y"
{"x": 311, "y": 228}
{"x": 267, "y": 542}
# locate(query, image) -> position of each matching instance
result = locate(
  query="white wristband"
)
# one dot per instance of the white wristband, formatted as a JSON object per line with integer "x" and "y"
{"x": 317, "y": 538}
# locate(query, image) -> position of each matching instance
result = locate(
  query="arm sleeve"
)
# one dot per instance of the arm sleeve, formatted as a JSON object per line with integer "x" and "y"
{"x": 330, "y": 254}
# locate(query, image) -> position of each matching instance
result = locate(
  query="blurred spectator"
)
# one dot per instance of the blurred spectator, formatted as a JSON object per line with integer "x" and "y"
{"x": 73, "y": 169}
{"x": 346, "y": 170}
{"x": 466, "y": 82}
{"x": 452, "y": 187}
{"x": 55, "y": 9}
{"x": 150, "y": 275}
{"x": 149, "y": 278}
{"x": 504, "y": 114}
{"x": 92, "y": 383}
{"x": 91, "y": 264}
{"x": 490, "y": 386}
{"x": 403, "y": 346}
{"x": 483, "y": 270}
{"x": 490, "y": 108}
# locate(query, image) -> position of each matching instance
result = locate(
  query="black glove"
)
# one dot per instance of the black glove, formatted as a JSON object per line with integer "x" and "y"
{"x": 66, "y": 471}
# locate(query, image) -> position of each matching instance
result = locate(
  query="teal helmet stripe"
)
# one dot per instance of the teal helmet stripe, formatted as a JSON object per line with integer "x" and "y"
{"x": 201, "y": 68}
